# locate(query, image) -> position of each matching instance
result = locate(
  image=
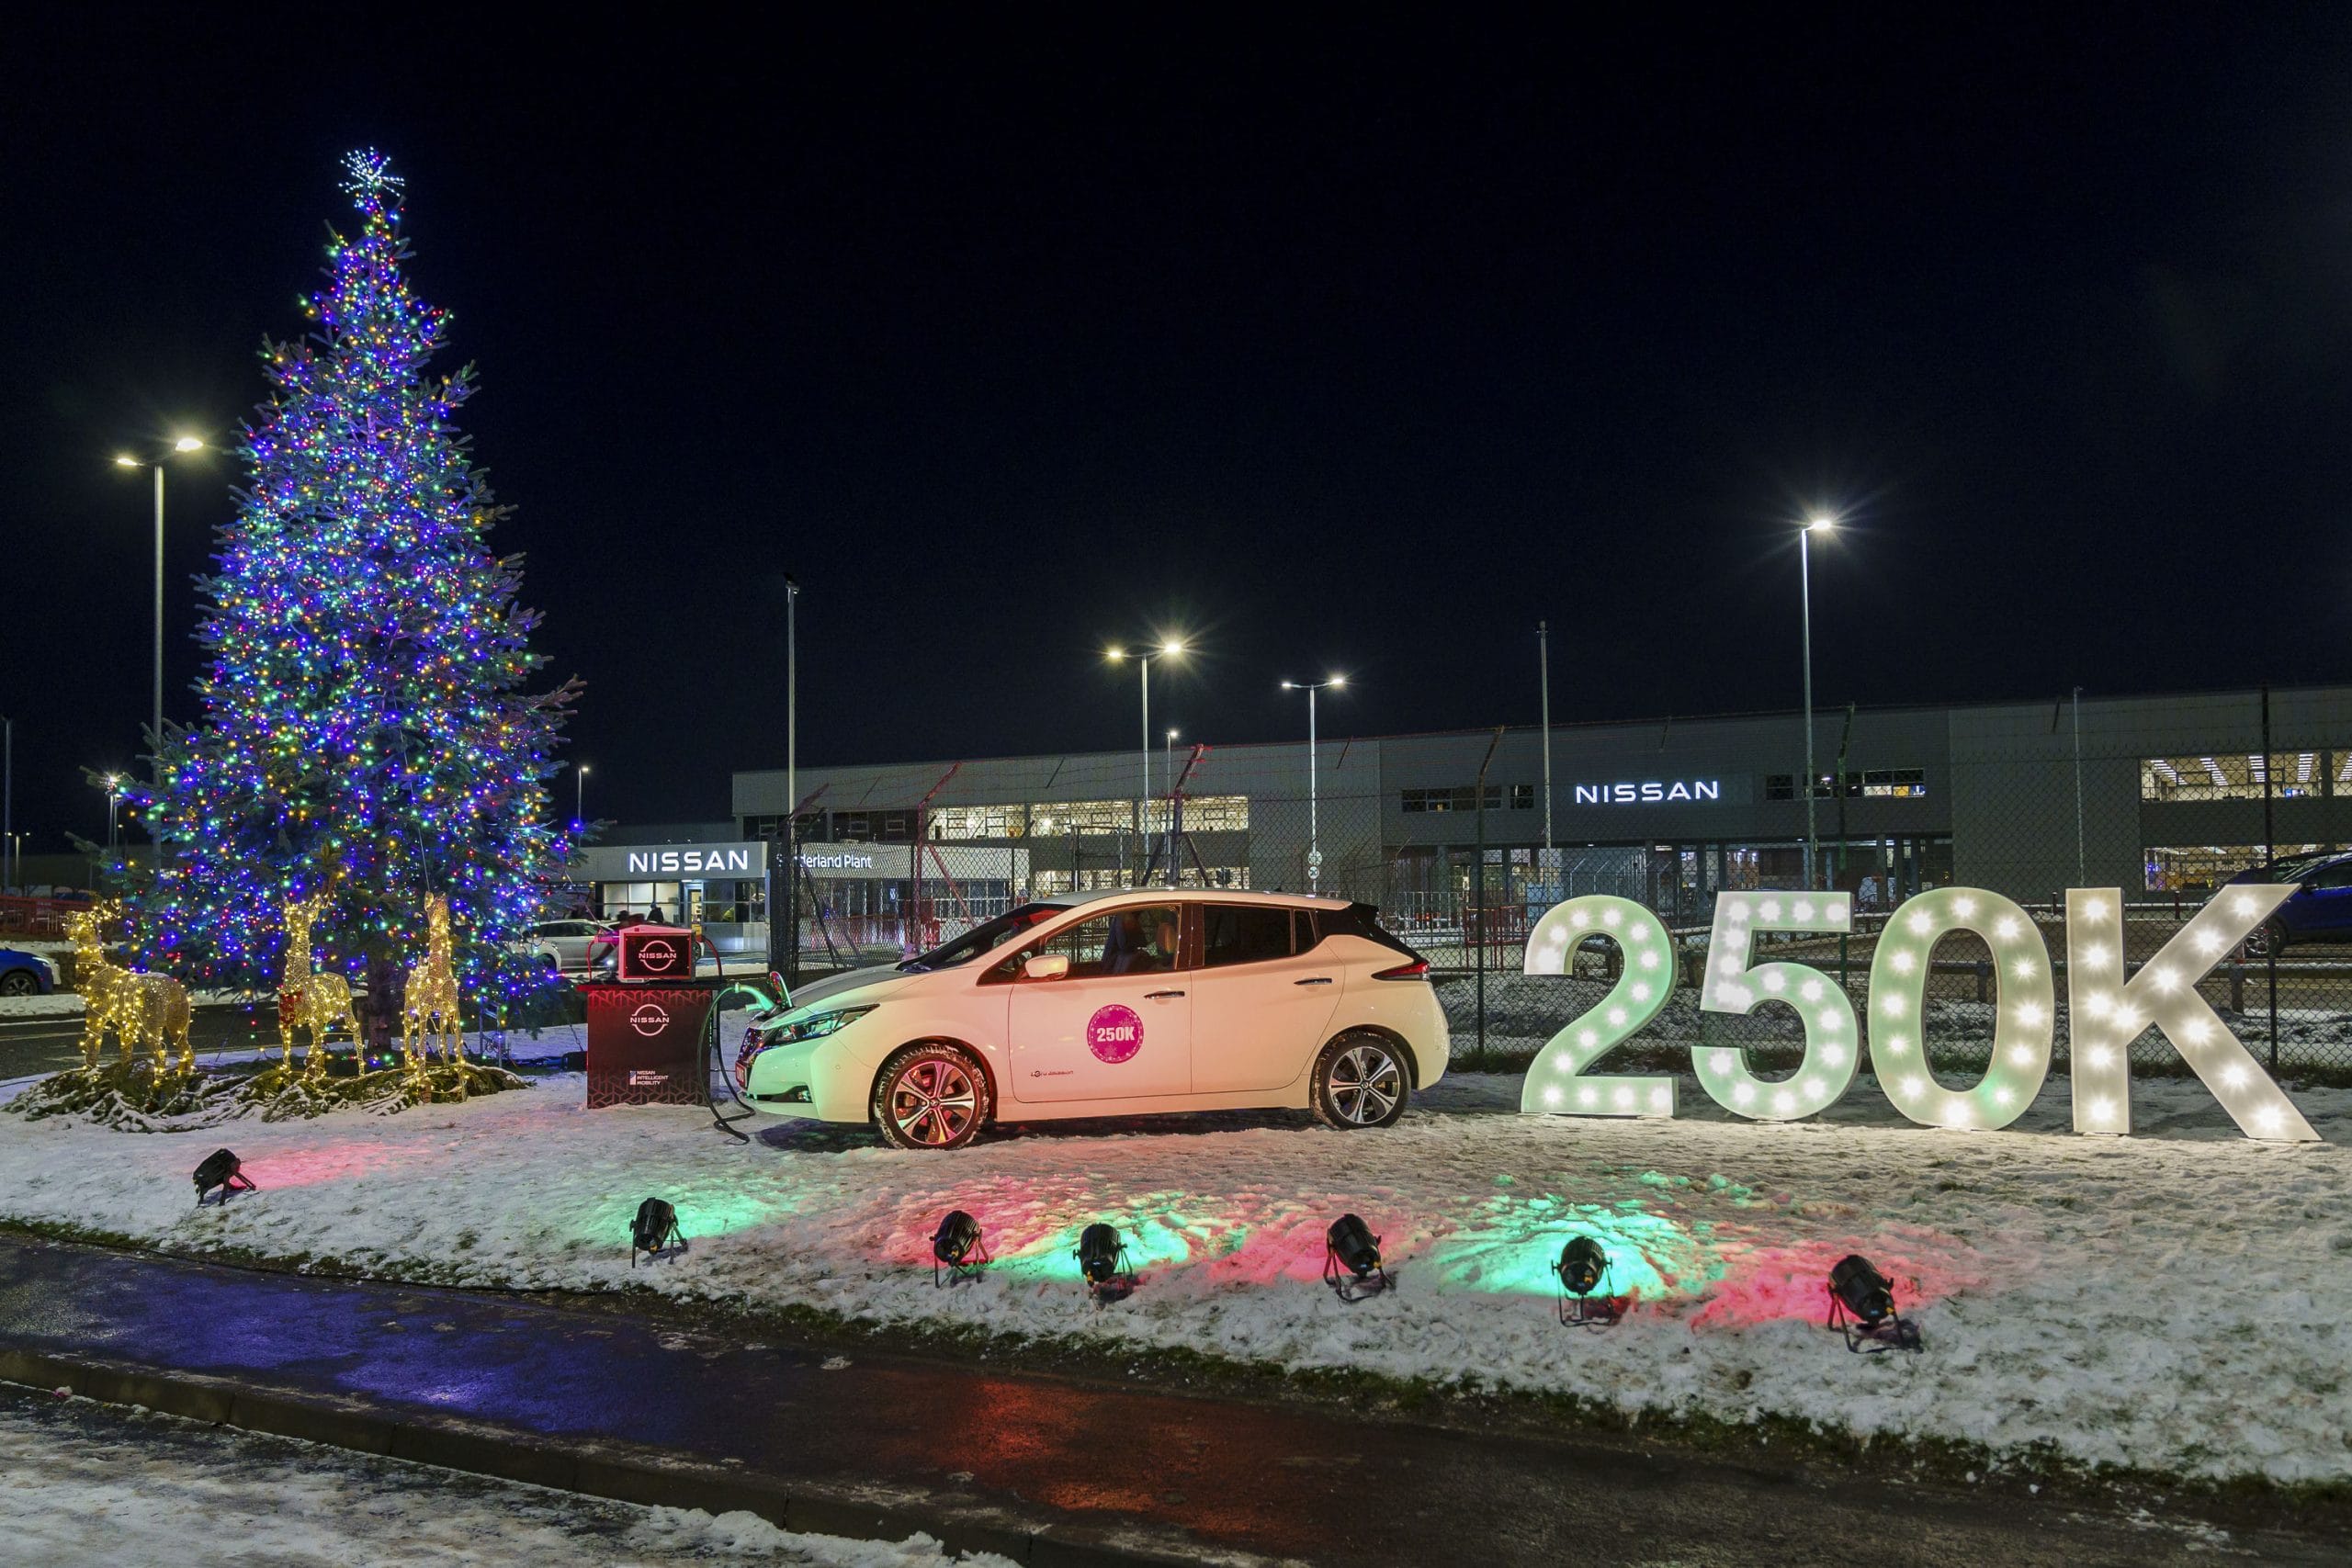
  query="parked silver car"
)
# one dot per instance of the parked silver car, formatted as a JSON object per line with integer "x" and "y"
{"x": 564, "y": 944}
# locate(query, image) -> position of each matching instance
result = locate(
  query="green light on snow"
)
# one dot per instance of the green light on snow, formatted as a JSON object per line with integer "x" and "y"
{"x": 1514, "y": 1243}
{"x": 1152, "y": 1238}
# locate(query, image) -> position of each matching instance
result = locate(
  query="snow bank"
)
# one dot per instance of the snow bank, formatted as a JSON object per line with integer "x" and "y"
{"x": 2168, "y": 1302}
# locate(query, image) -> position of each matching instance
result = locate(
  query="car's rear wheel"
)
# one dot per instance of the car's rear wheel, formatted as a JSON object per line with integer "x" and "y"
{"x": 18, "y": 983}
{"x": 931, "y": 1097}
{"x": 1360, "y": 1081}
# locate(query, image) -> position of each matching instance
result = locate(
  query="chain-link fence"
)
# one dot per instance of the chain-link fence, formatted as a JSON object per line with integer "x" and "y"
{"x": 2024, "y": 801}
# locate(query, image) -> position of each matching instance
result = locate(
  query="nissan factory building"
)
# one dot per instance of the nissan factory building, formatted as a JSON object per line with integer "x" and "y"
{"x": 2159, "y": 795}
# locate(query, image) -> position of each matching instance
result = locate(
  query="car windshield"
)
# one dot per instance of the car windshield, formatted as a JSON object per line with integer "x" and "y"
{"x": 980, "y": 939}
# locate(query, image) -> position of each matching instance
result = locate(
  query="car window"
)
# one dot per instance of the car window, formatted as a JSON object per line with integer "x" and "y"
{"x": 1134, "y": 941}
{"x": 1243, "y": 933}
{"x": 2337, "y": 875}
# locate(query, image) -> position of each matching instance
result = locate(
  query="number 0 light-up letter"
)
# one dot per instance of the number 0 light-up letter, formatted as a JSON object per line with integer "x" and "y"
{"x": 2106, "y": 1014}
{"x": 2021, "y": 1024}
{"x": 1554, "y": 1079}
{"x": 1730, "y": 986}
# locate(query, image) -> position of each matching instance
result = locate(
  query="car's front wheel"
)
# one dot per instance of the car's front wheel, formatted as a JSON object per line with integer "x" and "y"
{"x": 1360, "y": 1081}
{"x": 931, "y": 1097}
{"x": 18, "y": 983}
{"x": 2267, "y": 939}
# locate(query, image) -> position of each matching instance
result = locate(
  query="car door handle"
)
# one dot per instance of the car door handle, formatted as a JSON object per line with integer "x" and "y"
{"x": 1155, "y": 996}
{"x": 1314, "y": 980}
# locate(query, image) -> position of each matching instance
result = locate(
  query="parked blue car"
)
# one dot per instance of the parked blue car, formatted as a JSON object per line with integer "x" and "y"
{"x": 2320, "y": 910}
{"x": 26, "y": 974}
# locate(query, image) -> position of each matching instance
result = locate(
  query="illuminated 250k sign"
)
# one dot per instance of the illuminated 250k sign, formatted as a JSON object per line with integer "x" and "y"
{"x": 2108, "y": 1010}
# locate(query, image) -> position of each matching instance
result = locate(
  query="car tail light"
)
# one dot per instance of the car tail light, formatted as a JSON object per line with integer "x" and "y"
{"x": 1418, "y": 969}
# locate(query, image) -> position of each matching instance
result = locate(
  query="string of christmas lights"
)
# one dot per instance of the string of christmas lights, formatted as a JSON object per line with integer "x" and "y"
{"x": 366, "y": 735}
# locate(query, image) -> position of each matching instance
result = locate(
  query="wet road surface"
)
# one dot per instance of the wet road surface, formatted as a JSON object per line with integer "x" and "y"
{"x": 29, "y": 1046}
{"x": 1213, "y": 1474}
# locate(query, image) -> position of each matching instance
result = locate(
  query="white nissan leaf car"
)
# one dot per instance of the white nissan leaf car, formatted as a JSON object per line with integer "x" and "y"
{"x": 1112, "y": 1004}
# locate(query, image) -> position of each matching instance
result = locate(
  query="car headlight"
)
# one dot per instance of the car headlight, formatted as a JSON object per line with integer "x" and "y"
{"x": 818, "y": 1025}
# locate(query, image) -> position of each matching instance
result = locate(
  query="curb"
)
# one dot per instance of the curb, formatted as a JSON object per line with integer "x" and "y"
{"x": 618, "y": 1473}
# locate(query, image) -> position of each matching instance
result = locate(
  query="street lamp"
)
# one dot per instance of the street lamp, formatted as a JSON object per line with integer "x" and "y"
{"x": 1168, "y": 648}
{"x": 114, "y": 791}
{"x": 1824, "y": 525}
{"x": 1168, "y": 771}
{"x": 185, "y": 444}
{"x": 1314, "y": 839}
{"x": 579, "y": 793}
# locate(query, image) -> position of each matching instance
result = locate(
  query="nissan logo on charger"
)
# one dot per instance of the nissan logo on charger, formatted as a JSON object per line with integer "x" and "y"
{"x": 655, "y": 953}
{"x": 649, "y": 1019}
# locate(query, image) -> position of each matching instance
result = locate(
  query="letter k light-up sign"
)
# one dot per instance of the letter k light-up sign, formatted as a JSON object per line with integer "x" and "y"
{"x": 2108, "y": 1010}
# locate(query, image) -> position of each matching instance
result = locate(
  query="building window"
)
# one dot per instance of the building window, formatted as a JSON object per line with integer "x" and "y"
{"x": 1891, "y": 784}
{"x": 1059, "y": 818}
{"x": 2231, "y": 775}
{"x": 1523, "y": 797}
{"x": 771, "y": 827}
{"x": 1203, "y": 814}
{"x": 954, "y": 823}
{"x": 1898, "y": 784}
{"x": 1217, "y": 814}
{"x": 1462, "y": 799}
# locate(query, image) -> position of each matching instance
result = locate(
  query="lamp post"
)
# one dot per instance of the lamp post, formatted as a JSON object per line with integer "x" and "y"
{"x": 578, "y": 794}
{"x": 1314, "y": 835}
{"x": 1168, "y": 771}
{"x": 1543, "y": 661}
{"x": 1804, "y": 585}
{"x": 7, "y": 803}
{"x": 114, "y": 790}
{"x": 185, "y": 444}
{"x": 1168, "y": 648}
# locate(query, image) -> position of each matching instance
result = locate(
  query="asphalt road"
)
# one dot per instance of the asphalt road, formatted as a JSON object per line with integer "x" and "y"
{"x": 1209, "y": 1475}
{"x": 46, "y": 1045}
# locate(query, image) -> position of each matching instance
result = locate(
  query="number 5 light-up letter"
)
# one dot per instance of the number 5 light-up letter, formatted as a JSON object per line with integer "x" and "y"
{"x": 2108, "y": 1014}
{"x": 1554, "y": 1079}
{"x": 1831, "y": 1040}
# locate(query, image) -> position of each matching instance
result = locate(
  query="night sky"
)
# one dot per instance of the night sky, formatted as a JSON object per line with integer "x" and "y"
{"x": 1332, "y": 346}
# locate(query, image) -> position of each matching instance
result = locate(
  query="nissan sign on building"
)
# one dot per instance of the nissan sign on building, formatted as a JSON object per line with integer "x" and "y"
{"x": 746, "y": 861}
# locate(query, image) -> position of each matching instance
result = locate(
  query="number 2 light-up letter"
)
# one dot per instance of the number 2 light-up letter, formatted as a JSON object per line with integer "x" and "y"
{"x": 2021, "y": 1026}
{"x": 2106, "y": 1014}
{"x": 1831, "y": 1040}
{"x": 1554, "y": 1079}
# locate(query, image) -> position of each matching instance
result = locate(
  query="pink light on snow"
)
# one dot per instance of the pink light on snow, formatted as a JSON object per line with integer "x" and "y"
{"x": 1766, "y": 1284}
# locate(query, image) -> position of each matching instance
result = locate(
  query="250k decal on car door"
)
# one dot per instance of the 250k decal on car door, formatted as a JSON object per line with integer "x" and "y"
{"x": 1114, "y": 1034}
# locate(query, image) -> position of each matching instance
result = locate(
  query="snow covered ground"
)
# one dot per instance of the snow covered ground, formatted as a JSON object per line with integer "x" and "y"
{"x": 2170, "y": 1301}
{"x": 54, "y": 1004}
{"x": 80, "y": 1484}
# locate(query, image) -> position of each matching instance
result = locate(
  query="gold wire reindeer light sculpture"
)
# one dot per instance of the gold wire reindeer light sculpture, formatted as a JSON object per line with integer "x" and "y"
{"x": 430, "y": 1002}
{"x": 142, "y": 1009}
{"x": 307, "y": 997}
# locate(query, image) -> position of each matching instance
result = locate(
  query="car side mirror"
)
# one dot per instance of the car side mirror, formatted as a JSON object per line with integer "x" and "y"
{"x": 1046, "y": 966}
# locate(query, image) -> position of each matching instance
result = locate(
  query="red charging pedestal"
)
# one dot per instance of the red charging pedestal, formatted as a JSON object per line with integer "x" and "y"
{"x": 645, "y": 1039}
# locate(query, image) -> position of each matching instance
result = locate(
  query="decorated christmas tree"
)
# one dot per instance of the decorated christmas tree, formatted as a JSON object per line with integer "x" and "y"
{"x": 368, "y": 739}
